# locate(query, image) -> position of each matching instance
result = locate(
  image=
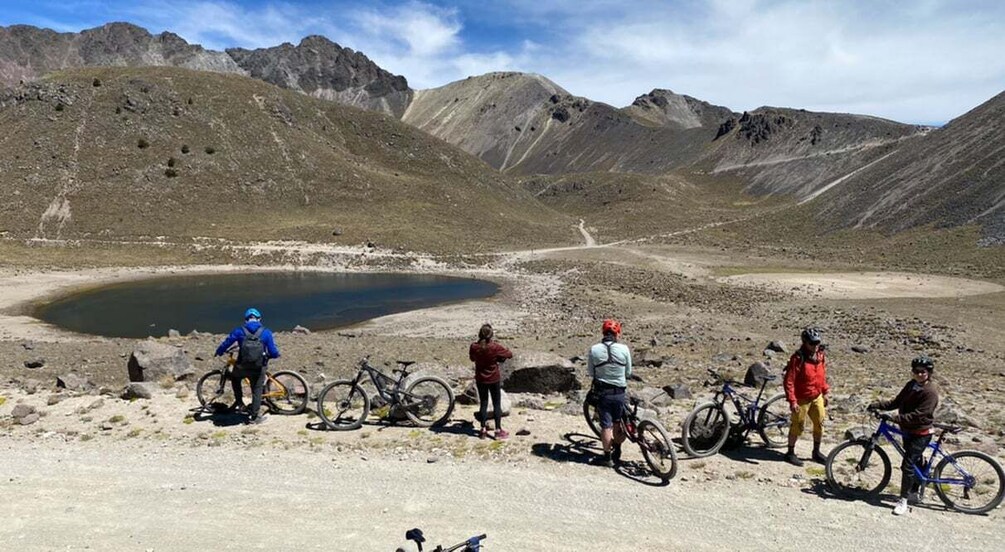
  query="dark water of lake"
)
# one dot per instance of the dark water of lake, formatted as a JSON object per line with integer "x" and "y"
{"x": 216, "y": 303}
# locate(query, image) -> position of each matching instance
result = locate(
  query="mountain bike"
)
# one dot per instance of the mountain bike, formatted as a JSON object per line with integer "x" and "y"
{"x": 968, "y": 481}
{"x": 709, "y": 426}
{"x": 426, "y": 400}
{"x": 650, "y": 435}
{"x": 285, "y": 392}
{"x": 474, "y": 544}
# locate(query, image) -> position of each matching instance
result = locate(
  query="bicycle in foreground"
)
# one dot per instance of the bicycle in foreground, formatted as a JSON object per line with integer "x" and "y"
{"x": 709, "y": 426}
{"x": 286, "y": 392}
{"x": 473, "y": 544}
{"x": 426, "y": 400}
{"x": 968, "y": 481}
{"x": 650, "y": 435}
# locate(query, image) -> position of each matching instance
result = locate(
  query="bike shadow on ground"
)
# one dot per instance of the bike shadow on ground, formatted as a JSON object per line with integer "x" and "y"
{"x": 819, "y": 487}
{"x": 219, "y": 418}
{"x": 586, "y": 449}
{"x": 457, "y": 427}
{"x": 753, "y": 455}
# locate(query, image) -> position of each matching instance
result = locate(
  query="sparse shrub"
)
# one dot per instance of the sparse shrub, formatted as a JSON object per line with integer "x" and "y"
{"x": 210, "y": 150}
{"x": 188, "y": 420}
{"x": 142, "y": 143}
{"x": 185, "y": 148}
{"x": 86, "y": 437}
{"x": 170, "y": 173}
{"x": 118, "y": 418}
{"x": 135, "y": 432}
{"x": 60, "y": 107}
{"x": 171, "y": 162}
{"x": 96, "y": 82}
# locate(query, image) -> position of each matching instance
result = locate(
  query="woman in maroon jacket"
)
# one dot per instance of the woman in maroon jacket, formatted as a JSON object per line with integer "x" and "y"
{"x": 486, "y": 354}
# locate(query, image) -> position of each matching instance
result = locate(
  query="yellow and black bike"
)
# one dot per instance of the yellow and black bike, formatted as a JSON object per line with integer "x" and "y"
{"x": 285, "y": 392}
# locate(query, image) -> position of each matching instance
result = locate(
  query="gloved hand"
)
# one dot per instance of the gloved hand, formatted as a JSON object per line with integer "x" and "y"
{"x": 873, "y": 406}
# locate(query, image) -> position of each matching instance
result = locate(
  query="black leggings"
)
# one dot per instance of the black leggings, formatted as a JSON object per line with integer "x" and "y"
{"x": 483, "y": 397}
{"x": 914, "y": 447}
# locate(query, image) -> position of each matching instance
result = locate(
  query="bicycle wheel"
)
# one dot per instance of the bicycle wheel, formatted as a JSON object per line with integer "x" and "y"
{"x": 343, "y": 406}
{"x": 773, "y": 421}
{"x": 657, "y": 449}
{"x": 428, "y": 401}
{"x": 215, "y": 391}
{"x": 705, "y": 430}
{"x": 286, "y": 393}
{"x": 858, "y": 469}
{"x": 592, "y": 416}
{"x": 972, "y": 482}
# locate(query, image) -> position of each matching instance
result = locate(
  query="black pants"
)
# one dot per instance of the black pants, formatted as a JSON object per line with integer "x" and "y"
{"x": 256, "y": 377}
{"x": 914, "y": 447}
{"x": 484, "y": 390}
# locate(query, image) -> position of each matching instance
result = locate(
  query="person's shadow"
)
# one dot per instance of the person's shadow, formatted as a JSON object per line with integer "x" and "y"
{"x": 579, "y": 448}
{"x": 219, "y": 417}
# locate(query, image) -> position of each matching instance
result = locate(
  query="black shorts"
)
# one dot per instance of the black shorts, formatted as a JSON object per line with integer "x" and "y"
{"x": 610, "y": 406}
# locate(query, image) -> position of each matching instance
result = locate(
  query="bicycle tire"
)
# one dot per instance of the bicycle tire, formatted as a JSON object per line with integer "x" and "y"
{"x": 423, "y": 412}
{"x": 990, "y": 484}
{"x": 592, "y": 416}
{"x": 343, "y": 397}
{"x": 292, "y": 393}
{"x": 773, "y": 422}
{"x": 657, "y": 449}
{"x": 845, "y": 475}
{"x": 206, "y": 387}
{"x": 705, "y": 430}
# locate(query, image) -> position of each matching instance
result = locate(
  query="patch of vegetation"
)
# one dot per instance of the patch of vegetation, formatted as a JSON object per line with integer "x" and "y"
{"x": 816, "y": 471}
{"x": 744, "y": 474}
{"x": 188, "y": 420}
{"x": 302, "y": 432}
{"x": 170, "y": 172}
{"x": 697, "y": 465}
{"x": 135, "y": 432}
{"x": 3, "y": 400}
{"x": 86, "y": 437}
{"x": 117, "y": 419}
{"x": 217, "y": 435}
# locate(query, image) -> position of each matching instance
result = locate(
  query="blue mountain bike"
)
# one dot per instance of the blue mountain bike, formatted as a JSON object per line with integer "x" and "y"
{"x": 968, "y": 481}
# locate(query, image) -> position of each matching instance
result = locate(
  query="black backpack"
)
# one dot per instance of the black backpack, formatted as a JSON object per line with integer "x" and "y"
{"x": 251, "y": 354}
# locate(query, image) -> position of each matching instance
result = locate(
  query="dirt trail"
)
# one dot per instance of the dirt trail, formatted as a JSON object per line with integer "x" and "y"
{"x": 147, "y": 497}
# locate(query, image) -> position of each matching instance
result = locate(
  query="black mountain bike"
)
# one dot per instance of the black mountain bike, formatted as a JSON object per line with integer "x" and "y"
{"x": 650, "y": 435}
{"x": 709, "y": 425}
{"x": 426, "y": 400}
{"x": 474, "y": 544}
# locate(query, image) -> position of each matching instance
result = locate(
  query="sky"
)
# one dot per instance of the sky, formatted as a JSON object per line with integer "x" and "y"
{"x": 914, "y": 61}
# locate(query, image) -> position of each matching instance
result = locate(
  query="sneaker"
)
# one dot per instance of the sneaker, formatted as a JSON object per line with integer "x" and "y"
{"x": 616, "y": 452}
{"x": 604, "y": 460}
{"x": 791, "y": 458}
{"x": 502, "y": 434}
{"x": 257, "y": 420}
{"x": 819, "y": 458}
{"x": 484, "y": 433}
{"x": 901, "y": 508}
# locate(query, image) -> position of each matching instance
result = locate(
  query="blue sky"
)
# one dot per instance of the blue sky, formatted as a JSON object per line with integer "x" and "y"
{"x": 918, "y": 61}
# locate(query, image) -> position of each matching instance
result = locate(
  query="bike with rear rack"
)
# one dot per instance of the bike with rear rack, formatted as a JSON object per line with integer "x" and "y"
{"x": 424, "y": 400}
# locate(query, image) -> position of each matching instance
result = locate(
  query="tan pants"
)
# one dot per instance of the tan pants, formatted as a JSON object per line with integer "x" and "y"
{"x": 814, "y": 408}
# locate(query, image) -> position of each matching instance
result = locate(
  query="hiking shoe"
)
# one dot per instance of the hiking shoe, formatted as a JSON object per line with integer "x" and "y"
{"x": 484, "y": 433}
{"x": 819, "y": 458}
{"x": 604, "y": 460}
{"x": 502, "y": 434}
{"x": 257, "y": 420}
{"x": 901, "y": 508}
{"x": 791, "y": 458}
{"x": 616, "y": 452}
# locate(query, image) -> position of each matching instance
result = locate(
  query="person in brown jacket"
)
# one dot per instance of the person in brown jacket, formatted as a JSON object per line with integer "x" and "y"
{"x": 486, "y": 354}
{"x": 915, "y": 406}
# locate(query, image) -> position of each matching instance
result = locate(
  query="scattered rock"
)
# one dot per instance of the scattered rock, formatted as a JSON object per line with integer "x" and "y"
{"x": 337, "y": 232}
{"x": 298, "y": 329}
{"x": 174, "y": 334}
{"x": 951, "y": 413}
{"x": 528, "y": 400}
{"x": 678, "y": 391}
{"x": 756, "y": 374}
{"x": 650, "y": 396}
{"x": 776, "y": 346}
{"x": 53, "y": 399}
{"x": 28, "y": 346}
{"x": 73, "y": 382}
{"x": 139, "y": 390}
{"x": 29, "y": 419}
{"x": 432, "y": 460}
{"x": 505, "y": 405}
{"x": 152, "y": 361}
{"x": 22, "y": 410}
{"x": 34, "y": 363}
{"x": 860, "y": 349}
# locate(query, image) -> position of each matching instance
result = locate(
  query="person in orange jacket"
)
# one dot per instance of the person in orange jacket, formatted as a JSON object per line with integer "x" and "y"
{"x": 806, "y": 389}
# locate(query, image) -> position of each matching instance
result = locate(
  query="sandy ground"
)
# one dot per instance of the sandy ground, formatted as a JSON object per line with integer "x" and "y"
{"x": 143, "y": 481}
{"x": 867, "y": 285}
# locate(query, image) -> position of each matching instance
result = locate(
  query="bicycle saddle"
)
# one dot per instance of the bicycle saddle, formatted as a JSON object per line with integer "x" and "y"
{"x": 948, "y": 428}
{"x": 405, "y": 363}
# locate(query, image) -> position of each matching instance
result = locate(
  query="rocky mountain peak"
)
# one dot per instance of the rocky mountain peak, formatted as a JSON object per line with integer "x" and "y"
{"x": 665, "y": 108}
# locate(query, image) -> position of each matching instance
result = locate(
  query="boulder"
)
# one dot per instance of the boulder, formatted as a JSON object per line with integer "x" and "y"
{"x": 756, "y": 374}
{"x": 535, "y": 372}
{"x": 139, "y": 390}
{"x": 776, "y": 346}
{"x": 505, "y": 405}
{"x": 174, "y": 334}
{"x": 152, "y": 361}
{"x": 650, "y": 397}
{"x": 298, "y": 329}
{"x": 951, "y": 413}
{"x": 29, "y": 419}
{"x": 22, "y": 410}
{"x": 469, "y": 396}
{"x": 860, "y": 349}
{"x": 678, "y": 391}
{"x": 857, "y": 433}
{"x": 528, "y": 400}
{"x": 34, "y": 363}
{"x": 73, "y": 382}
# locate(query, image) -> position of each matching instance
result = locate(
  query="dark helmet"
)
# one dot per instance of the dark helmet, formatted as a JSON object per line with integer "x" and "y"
{"x": 923, "y": 362}
{"x": 811, "y": 335}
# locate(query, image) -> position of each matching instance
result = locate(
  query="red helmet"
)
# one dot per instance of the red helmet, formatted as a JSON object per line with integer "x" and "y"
{"x": 611, "y": 326}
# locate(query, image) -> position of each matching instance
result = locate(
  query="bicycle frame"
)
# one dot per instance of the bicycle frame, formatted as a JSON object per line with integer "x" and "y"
{"x": 748, "y": 408}
{"x": 890, "y": 433}
{"x": 388, "y": 388}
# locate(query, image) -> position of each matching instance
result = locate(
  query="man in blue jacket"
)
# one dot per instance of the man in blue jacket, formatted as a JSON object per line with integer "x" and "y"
{"x": 255, "y": 346}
